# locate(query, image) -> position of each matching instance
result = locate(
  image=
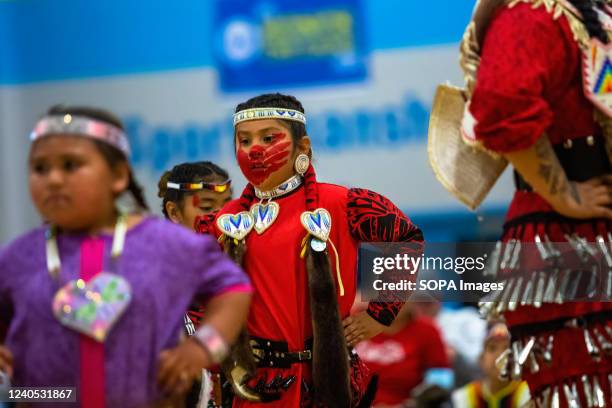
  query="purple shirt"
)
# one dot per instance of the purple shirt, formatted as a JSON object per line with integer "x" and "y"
{"x": 166, "y": 266}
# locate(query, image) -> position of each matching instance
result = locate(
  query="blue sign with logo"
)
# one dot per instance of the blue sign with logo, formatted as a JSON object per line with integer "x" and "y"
{"x": 271, "y": 43}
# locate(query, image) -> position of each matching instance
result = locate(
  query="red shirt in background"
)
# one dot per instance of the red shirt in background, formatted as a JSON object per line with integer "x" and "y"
{"x": 401, "y": 359}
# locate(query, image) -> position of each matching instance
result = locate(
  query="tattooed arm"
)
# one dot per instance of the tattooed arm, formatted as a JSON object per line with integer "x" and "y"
{"x": 539, "y": 166}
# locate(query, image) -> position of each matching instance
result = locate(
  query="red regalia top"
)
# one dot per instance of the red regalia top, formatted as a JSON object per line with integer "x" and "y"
{"x": 529, "y": 83}
{"x": 280, "y": 307}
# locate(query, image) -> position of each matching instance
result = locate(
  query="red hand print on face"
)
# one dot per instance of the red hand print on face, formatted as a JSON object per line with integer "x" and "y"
{"x": 261, "y": 161}
{"x": 195, "y": 200}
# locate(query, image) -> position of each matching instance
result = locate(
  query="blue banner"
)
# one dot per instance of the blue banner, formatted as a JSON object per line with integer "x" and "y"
{"x": 278, "y": 43}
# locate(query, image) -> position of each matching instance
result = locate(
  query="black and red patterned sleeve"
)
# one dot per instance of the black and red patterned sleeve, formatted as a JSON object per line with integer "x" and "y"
{"x": 374, "y": 218}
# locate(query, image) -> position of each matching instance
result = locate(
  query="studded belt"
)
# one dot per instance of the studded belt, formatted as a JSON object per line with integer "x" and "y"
{"x": 270, "y": 353}
{"x": 582, "y": 159}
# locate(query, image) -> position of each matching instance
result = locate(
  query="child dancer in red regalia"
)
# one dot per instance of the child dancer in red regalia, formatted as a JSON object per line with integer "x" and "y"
{"x": 298, "y": 239}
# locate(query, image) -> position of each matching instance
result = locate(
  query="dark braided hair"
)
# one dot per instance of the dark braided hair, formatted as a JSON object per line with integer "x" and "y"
{"x": 111, "y": 154}
{"x": 186, "y": 173}
{"x": 587, "y": 9}
{"x": 330, "y": 375}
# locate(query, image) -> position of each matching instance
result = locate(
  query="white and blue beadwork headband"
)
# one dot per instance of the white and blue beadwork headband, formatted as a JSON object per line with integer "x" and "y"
{"x": 268, "y": 113}
{"x": 81, "y": 126}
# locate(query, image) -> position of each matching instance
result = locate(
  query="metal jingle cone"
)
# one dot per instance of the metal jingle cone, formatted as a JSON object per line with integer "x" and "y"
{"x": 189, "y": 326}
{"x": 549, "y": 292}
{"x": 578, "y": 247}
{"x": 546, "y": 397}
{"x": 502, "y": 362}
{"x": 491, "y": 297}
{"x": 509, "y": 298}
{"x": 516, "y": 366}
{"x": 604, "y": 344}
{"x": 574, "y": 323}
{"x": 593, "y": 282}
{"x": 534, "y": 367}
{"x": 493, "y": 263}
{"x": 587, "y": 247}
{"x": 603, "y": 247}
{"x": 489, "y": 302}
{"x": 573, "y": 287}
{"x": 539, "y": 293}
{"x": 588, "y": 392}
{"x": 516, "y": 256}
{"x": 576, "y": 394}
{"x": 527, "y": 293}
{"x": 598, "y": 394}
{"x": 550, "y": 246}
{"x": 503, "y": 301}
{"x": 534, "y": 292}
{"x": 526, "y": 351}
{"x": 571, "y": 396}
{"x": 548, "y": 349}
{"x": 504, "y": 374}
{"x": 486, "y": 309}
{"x": 513, "y": 301}
{"x": 564, "y": 280}
{"x": 608, "y": 287}
{"x": 591, "y": 347}
{"x": 538, "y": 402}
{"x": 555, "y": 401}
{"x": 542, "y": 248}
{"x": 507, "y": 253}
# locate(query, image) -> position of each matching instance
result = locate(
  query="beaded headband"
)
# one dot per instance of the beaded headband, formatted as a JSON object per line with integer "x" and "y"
{"x": 268, "y": 113}
{"x": 81, "y": 126}
{"x": 217, "y": 188}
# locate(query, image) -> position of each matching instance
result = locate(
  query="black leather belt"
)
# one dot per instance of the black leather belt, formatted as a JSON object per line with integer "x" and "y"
{"x": 582, "y": 159}
{"x": 269, "y": 353}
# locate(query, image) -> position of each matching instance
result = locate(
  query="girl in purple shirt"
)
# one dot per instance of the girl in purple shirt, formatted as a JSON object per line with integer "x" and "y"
{"x": 95, "y": 298}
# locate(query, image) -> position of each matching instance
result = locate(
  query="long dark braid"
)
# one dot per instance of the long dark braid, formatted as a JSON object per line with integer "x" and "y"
{"x": 587, "y": 9}
{"x": 330, "y": 375}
